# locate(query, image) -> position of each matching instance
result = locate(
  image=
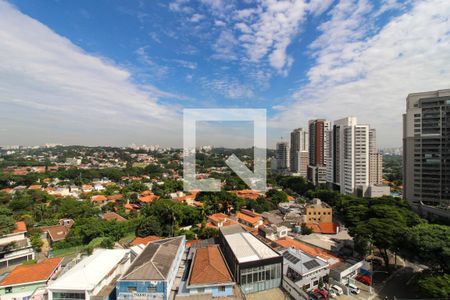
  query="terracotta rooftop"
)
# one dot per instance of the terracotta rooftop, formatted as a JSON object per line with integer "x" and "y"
{"x": 99, "y": 198}
{"x": 324, "y": 228}
{"x": 148, "y": 198}
{"x": 114, "y": 197}
{"x": 209, "y": 267}
{"x": 249, "y": 216}
{"x": 20, "y": 227}
{"x": 311, "y": 250}
{"x": 56, "y": 232}
{"x": 109, "y": 216}
{"x": 145, "y": 240}
{"x": 32, "y": 273}
{"x": 35, "y": 187}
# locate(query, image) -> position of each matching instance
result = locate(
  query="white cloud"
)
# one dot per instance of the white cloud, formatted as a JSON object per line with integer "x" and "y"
{"x": 318, "y": 7}
{"x": 158, "y": 71}
{"x": 370, "y": 76}
{"x": 52, "y": 90}
{"x": 196, "y": 18}
{"x": 267, "y": 31}
{"x": 229, "y": 88}
{"x": 224, "y": 47}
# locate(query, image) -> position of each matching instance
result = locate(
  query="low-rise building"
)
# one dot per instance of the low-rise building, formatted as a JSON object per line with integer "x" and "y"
{"x": 253, "y": 264}
{"x": 24, "y": 280}
{"x": 112, "y": 216}
{"x": 219, "y": 220}
{"x": 318, "y": 212}
{"x": 249, "y": 218}
{"x": 326, "y": 255}
{"x": 273, "y": 232}
{"x": 344, "y": 271}
{"x": 302, "y": 272}
{"x": 152, "y": 273}
{"x": 94, "y": 277}
{"x": 57, "y": 233}
{"x": 208, "y": 274}
{"x": 15, "y": 247}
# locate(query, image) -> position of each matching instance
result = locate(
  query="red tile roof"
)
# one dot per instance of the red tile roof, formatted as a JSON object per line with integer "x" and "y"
{"x": 32, "y": 273}
{"x": 20, "y": 227}
{"x": 56, "y": 232}
{"x": 99, "y": 198}
{"x": 249, "y": 216}
{"x": 148, "y": 198}
{"x": 247, "y": 194}
{"x": 35, "y": 187}
{"x": 324, "y": 228}
{"x": 209, "y": 267}
{"x": 109, "y": 216}
{"x": 144, "y": 240}
{"x": 311, "y": 250}
{"x": 115, "y": 197}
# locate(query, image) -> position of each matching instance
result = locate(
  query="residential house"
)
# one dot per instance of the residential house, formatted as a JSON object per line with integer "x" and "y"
{"x": 219, "y": 220}
{"x": 147, "y": 197}
{"x": 94, "y": 277}
{"x": 152, "y": 273}
{"x": 24, "y": 280}
{"x": 144, "y": 240}
{"x": 57, "y": 233}
{"x": 99, "y": 199}
{"x": 112, "y": 216}
{"x": 208, "y": 274}
{"x": 249, "y": 218}
{"x": 15, "y": 247}
{"x": 273, "y": 232}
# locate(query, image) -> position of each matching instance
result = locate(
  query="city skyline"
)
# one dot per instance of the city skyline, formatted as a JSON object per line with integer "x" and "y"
{"x": 100, "y": 74}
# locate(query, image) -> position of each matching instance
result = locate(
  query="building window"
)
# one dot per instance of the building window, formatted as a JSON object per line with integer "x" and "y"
{"x": 200, "y": 290}
{"x": 8, "y": 290}
{"x": 132, "y": 289}
{"x": 221, "y": 289}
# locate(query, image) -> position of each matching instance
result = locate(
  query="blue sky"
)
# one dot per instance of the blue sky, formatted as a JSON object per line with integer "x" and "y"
{"x": 120, "y": 72}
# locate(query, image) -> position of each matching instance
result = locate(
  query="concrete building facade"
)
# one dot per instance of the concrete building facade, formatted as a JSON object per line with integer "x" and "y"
{"x": 299, "y": 155}
{"x": 426, "y": 149}
{"x": 319, "y": 150}
{"x": 350, "y": 154}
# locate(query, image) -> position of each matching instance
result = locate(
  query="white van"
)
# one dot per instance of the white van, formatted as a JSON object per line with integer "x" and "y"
{"x": 353, "y": 288}
{"x": 337, "y": 289}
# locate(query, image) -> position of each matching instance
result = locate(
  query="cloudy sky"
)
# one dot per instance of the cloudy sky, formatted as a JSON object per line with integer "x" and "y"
{"x": 121, "y": 72}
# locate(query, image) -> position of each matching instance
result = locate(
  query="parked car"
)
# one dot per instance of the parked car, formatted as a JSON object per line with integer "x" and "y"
{"x": 378, "y": 261}
{"x": 364, "y": 279}
{"x": 339, "y": 291}
{"x": 353, "y": 288}
{"x": 322, "y": 292}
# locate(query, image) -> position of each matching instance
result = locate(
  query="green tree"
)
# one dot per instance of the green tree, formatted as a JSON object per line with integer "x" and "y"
{"x": 435, "y": 285}
{"x": 7, "y": 223}
{"x": 149, "y": 226}
{"x": 428, "y": 244}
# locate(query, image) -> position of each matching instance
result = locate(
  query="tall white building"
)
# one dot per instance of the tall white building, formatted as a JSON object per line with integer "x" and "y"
{"x": 350, "y": 154}
{"x": 299, "y": 155}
